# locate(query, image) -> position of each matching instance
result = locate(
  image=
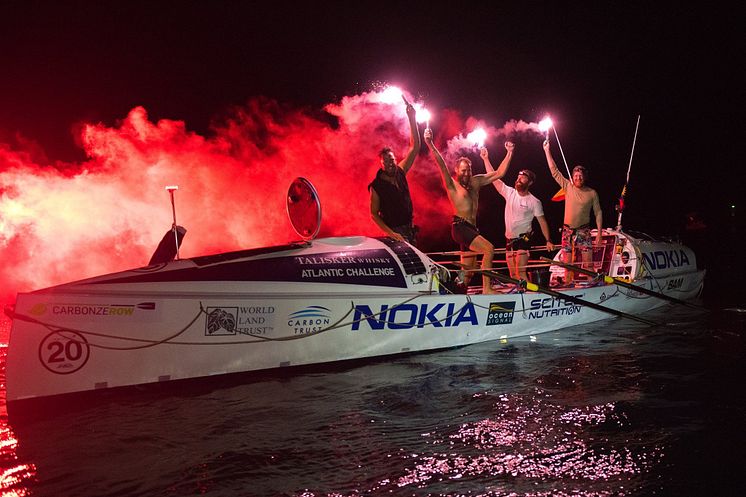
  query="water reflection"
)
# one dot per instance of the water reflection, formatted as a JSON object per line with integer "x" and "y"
{"x": 529, "y": 441}
{"x": 15, "y": 475}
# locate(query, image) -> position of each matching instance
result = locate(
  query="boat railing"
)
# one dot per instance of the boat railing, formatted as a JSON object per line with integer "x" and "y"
{"x": 536, "y": 268}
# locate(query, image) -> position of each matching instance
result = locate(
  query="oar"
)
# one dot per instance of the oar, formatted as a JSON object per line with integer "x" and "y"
{"x": 535, "y": 248}
{"x": 569, "y": 298}
{"x": 620, "y": 282}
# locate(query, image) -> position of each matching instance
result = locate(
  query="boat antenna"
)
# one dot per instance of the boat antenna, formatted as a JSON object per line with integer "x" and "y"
{"x": 562, "y": 152}
{"x": 171, "y": 189}
{"x": 620, "y": 206}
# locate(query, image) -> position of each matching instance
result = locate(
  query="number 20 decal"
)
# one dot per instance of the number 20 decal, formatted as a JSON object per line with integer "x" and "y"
{"x": 64, "y": 352}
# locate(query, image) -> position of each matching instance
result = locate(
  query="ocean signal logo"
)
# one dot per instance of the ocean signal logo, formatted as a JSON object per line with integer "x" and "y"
{"x": 90, "y": 309}
{"x": 661, "y": 259}
{"x": 407, "y": 316}
{"x": 310, "y": 320}
{"x": 221, "y": 321}
{"x": 500, "y": 313}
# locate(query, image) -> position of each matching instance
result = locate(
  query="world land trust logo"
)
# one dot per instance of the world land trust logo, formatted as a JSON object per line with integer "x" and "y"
{"x": 500, "y": 313}
{"x": 221, "y": 321}
{"x": 250, "y": 319}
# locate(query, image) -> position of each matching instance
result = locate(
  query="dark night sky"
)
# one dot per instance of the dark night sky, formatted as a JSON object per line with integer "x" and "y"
{"x": 594, "y": 66}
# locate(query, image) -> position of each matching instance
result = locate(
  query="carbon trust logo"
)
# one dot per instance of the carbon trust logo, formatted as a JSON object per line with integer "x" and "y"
{"x": 309, "y": 320}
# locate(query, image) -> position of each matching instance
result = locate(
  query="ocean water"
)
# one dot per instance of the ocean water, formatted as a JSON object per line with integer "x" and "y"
{"x": 612, "y": 408}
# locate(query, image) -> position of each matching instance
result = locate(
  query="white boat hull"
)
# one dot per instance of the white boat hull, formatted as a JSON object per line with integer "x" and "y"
{"x": 92, "y": 336}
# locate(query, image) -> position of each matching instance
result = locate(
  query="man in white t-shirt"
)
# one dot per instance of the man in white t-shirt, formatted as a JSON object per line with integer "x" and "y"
{"x": 521, "y": 207}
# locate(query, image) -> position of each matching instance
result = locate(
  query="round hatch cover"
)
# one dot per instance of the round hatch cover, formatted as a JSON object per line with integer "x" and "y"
{"x": 304, "y": 208}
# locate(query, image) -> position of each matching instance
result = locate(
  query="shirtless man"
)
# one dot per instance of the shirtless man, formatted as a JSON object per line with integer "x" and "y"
{"x": 579, "y": 200}
{"x": 463, "y": 192}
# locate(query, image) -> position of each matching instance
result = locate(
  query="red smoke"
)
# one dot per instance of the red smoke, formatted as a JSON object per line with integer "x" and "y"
{"x": 71, "y": 221}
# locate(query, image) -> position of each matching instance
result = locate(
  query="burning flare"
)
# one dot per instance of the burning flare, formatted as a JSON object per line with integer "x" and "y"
{"x": 391, "y": 95}
{"x": 477, "y": 137}
{"x": 545, "y": 125}
{"x": 422, "y": 115}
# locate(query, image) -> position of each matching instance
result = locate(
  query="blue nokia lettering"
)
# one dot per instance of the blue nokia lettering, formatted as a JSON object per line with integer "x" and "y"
{"x": 406, "y": 316}
{"x": 666, "y": 259}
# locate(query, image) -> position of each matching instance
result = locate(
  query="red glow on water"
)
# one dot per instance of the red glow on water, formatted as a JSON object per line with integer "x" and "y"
{"x": 13, "y": 478}
{"x": 75, "y": 220}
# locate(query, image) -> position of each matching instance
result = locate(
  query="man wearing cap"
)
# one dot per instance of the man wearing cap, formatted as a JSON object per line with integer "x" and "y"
{"x": 579, "y": 200}
{"x": 521, "y": 207}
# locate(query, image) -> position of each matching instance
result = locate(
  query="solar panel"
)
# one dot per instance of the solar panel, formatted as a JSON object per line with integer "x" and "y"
{"x": 408, "y": 257}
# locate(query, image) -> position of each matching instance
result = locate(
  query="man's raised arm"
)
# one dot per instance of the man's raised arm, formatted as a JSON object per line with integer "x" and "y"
{"x": 493, "y": 175}
{"x": 561, "y": 180}
{"x": 414, "y": 138}
{"x": 447, "y": 180}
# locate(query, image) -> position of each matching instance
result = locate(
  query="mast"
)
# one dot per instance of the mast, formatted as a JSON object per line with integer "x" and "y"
{"x": 620, "y": 206}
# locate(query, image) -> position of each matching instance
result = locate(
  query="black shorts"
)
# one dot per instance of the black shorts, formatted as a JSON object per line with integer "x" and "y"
{"x": 463, "y": 232}
{"x": 523, "y": 242}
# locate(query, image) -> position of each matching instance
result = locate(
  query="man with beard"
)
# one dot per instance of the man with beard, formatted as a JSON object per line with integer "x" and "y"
{"x": 390, "y": 202}
{"x": 463, "y": 192}
{"x": 579, "y": 200}
{"x": 521, "y": 207}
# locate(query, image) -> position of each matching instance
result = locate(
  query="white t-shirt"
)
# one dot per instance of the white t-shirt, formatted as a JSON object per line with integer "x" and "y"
{"x": 520, "y": 210}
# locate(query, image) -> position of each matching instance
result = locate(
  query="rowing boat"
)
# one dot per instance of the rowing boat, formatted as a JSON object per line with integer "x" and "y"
{"x": 309, "y": 302}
